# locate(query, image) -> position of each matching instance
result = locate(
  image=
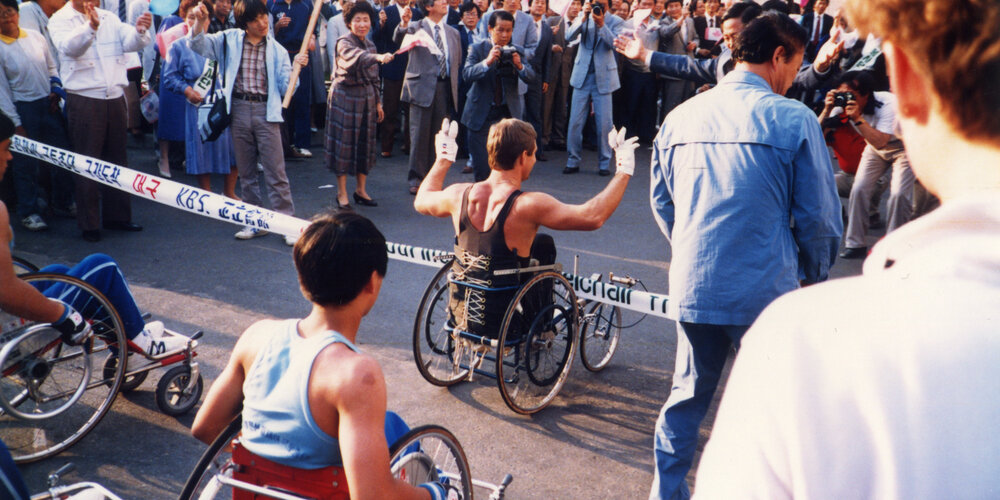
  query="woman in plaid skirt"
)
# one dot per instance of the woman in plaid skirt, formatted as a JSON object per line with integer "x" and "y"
{"x": 354, "y": 105}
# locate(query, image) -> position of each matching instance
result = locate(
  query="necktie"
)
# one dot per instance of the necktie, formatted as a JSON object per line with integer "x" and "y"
{"x": 121, "y": 10}
{"x": 442, "y": 67}
{"x": 815, "y": 37}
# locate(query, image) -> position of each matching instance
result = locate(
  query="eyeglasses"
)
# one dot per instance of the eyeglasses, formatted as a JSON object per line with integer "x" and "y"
{"x": 7, "y": 13}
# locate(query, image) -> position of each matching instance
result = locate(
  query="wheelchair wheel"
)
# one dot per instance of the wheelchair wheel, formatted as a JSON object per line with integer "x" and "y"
{"x": 602, "y": 327}
{"x": 537, "y": 343}
{"x": 170, "y": 395}
{"x": 41, "y": 379}
{"x": 130, "y": 383}
{"x": 431, "y": 453}
{"x": 22, "y": 266}
{"x": 433, "y": 344}
{"x": 217, "y": 459}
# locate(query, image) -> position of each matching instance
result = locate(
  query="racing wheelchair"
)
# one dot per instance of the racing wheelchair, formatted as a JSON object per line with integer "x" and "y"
{"x": 428, "y": 453}
{"x": 52, "y": 393}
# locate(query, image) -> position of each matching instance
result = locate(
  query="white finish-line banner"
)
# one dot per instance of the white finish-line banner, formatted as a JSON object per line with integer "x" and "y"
{"x": 215, "y": 206}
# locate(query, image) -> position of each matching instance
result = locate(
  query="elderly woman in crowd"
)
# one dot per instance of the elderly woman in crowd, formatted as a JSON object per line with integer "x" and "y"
{"x": 354, "y": 105}
{"x": 191, "y": 75}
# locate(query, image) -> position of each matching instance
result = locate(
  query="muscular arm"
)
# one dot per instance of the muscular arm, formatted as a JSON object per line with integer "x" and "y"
{"x": 544, "y": 210}
{"x": 432, "y": 198}
{"x": 17, "y": 297}
{"x": 358, "y": 394}
{"x": 225, "y": 397}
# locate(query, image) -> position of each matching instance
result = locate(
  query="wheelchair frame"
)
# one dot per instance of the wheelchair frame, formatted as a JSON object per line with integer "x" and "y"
{"x": 51, "y": 395}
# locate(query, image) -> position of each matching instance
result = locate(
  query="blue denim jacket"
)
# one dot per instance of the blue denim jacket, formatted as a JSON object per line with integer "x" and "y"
{"x": 279, "y": 68}
{"x": 742, "y": 187}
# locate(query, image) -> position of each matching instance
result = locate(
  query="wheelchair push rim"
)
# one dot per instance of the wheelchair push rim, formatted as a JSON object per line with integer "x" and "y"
{"x": 599, "y": 335}
{"x": 433, "y": 335}
{"x": 431, "y": 453}
{"x": 35, "y": 439}
{"x": 541, "y": 322}
{"x": 216, "y": 459}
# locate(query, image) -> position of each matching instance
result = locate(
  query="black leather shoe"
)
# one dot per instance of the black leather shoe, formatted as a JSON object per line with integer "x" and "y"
{"x": 122, "y": 226}
{"x": 541, "y": 157}
{"x": 603, "y": 173}
{"x": 342, "y": 206}
{"x": 571, "y": 170}
{"x": 92, "y": 236}
{"x": 368, "y": 202}
{"x": 854, "y": 253}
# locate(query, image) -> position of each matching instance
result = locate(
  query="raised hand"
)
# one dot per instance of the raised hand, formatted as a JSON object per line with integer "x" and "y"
{"x": 90, "y": 12}
{"x": 144, "y": 22}
{"x": 201, "y": 19}
{"x": 444, "y": 142}
{"x": 405, "y": 15}
{"x": 630, "y": 47}
{"x": 624, "y": 150}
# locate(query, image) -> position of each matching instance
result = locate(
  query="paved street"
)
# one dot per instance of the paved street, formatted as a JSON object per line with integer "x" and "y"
{"x": 594, "y": 442}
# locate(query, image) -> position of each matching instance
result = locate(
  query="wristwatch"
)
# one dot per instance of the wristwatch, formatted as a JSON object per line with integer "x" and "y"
{"x": 858, "y": 123}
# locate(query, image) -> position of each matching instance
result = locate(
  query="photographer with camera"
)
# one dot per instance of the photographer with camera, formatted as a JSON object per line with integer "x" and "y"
{"x": 493, "y": 68}
{"x": 873, "y": 116}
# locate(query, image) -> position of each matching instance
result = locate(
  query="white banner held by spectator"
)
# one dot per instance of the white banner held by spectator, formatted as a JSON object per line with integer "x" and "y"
{"x": 418, "y": 39}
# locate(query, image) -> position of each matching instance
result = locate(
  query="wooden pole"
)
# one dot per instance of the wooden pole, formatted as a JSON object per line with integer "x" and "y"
{"x": 303, "y": 50}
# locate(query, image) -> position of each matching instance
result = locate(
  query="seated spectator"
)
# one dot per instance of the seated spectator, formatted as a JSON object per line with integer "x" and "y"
{"x": 309, "y": 398}
{"x": 873, "y": 115}
{"x": 884, "y": 385}
{"x": 19, "y": 298}
{"x": 493, "y": 218}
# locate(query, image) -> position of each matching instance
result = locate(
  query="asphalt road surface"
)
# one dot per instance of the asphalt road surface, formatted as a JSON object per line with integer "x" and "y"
{"x": 593, "y": 442}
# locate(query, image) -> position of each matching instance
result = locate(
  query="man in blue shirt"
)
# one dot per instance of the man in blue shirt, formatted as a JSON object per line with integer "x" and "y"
{"x": 291, "y": 18}
{"x": 742, "y": 187}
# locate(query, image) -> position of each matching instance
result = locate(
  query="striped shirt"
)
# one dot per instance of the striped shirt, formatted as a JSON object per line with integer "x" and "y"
{"x": 252, "y": 77}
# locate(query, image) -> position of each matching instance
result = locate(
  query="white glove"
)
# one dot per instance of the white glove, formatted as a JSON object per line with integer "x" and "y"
{"x": 624, "y": 150}
{"x": 444, "y": 142}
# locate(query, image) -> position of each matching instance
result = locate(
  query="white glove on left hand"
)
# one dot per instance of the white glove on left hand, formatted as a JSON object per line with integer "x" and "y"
{"x": 444, "y": 142}
{"x": 624, "y": 150}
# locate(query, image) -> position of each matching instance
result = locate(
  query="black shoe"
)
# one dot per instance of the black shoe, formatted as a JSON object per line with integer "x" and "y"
{"x": 342, "y": 206}
{"x": 540, "y": 157}
{"x": 875, "y": 222}
{"x": 122, "y": 226}
{"x": 603, "y": 173}
{"x": 854, "y": 253}
{"x": 92, "y": 236}
{"x": 557, "y": 147}
{"x": 368, "y": 202}
{"x": 571, "y": 170}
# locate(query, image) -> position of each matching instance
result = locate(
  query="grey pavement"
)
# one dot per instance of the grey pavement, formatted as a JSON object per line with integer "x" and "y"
{"x": 593, "y": 442}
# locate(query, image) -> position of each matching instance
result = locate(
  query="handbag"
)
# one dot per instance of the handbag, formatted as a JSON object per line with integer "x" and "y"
{"x": 216, "y": 120}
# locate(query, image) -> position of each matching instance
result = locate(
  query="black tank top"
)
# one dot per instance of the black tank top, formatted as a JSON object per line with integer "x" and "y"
{"x": 479, "y": 299}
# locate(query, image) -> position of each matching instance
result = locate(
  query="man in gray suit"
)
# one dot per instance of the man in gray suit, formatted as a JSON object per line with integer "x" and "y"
{"x": 431, "y": 83}
{"x": 594, "y": 78}
{"x": 557, "y": 98}
{"x": 493, "y": 95}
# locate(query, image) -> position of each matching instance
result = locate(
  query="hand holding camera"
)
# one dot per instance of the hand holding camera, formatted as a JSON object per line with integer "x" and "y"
{"x": 597, "y": 12}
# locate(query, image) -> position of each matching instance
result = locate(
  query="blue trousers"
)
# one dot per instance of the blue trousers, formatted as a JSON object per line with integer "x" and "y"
{"x": 579, "y": 109}
{"x": 43, "y": 126}
{"x": 701, "y": 354}
{"x": 102, "y": 272}
{"x": 298, "y": 116}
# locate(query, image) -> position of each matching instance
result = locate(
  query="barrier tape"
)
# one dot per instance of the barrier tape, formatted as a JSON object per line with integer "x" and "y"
{"x": 215, "y": 206}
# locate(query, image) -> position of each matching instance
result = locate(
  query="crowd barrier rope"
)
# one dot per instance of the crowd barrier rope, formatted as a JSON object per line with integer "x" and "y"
{"x": 215, "y": 206}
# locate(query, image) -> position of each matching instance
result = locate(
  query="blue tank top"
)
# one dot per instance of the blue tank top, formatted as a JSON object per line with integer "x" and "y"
{"x": 277, "y": 421}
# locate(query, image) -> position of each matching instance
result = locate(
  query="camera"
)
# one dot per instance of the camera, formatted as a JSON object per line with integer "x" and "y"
{"x": 506, "y": 64}
{"x": 840, "y": 99}
{"x": 597, "y": 9}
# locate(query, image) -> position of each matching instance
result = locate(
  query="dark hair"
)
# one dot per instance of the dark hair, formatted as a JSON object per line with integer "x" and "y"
{"x": 692, "y": 7}
{"x": 427, "y": 4}
{"x": 247, "y": 11}
{"x": 744, "y": 11}
{"x": 776, "y": 6}
{"x": 466, "y": 6}
{"x": 335, "y": 257}
{"x": 509, "y": 138}
{"x": 10, "y": 3}
{"x": 668, "y": 2}
{"x": 759, "y": 39}
{"x": 187, "y": 5}
{"x": 360, "y": 7}
{"x": 863, "y": 82}
{"x": 499, "y": 15}
{"x": 531, "y": 2}
{"x": 6, "y": 126}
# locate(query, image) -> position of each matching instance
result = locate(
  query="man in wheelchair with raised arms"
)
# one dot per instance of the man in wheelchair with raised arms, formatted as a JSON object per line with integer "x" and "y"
{"x": 309, "y": 399}
{"x": 496, "y": 224}
{"x": 55, "y": 304}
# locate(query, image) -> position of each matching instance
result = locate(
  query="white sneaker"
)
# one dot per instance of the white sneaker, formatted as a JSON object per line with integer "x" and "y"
{"x": 153, "y": 342}
{"x": 34, "y": 222}
{"x": 290, "y": 240}
{"x": 301, "y": 153}
{"x": 248, "y": 233}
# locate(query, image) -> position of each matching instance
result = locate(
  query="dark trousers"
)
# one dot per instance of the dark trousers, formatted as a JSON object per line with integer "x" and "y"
{"x": 638, "y": 91}
{"x": 391, "y": 89}
{"x": 555, "y": 113}
{"x": 42, "y": 126}
{"x": 97, "y": 129}
{"x": 298, "y": 115}
{"x": 534, "y": 102}
{"x": 477, "y": 141}
{"x": 424, "y": 124}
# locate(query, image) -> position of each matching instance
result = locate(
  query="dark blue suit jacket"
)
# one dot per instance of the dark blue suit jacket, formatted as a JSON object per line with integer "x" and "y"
{"x": 396, "y": 69}
{"x": 482, "y": 79}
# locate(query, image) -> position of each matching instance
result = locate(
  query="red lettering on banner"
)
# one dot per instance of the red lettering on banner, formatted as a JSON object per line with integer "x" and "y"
{"x": 138, "y": 182}
{"x": 152, "y": 190}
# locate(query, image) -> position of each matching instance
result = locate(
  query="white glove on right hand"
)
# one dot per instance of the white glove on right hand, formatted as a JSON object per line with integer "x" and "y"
{"x": 444, "y": 142}
{"x": 624, "y": 150}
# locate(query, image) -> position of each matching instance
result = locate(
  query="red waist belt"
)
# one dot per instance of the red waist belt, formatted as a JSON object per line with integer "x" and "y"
{"x": 328, "y": 483}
